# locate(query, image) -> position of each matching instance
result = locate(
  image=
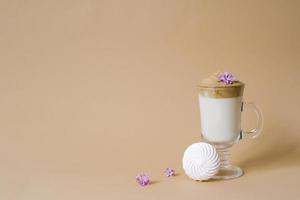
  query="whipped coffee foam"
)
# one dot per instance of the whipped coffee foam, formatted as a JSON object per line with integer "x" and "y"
{"x": 213, "y": 87}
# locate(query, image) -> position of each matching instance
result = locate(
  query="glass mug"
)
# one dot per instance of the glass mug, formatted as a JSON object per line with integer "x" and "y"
{"x": 221, "y": 108}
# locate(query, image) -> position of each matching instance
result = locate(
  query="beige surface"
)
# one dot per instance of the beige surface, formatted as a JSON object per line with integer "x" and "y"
{"x": 95, "y": 92}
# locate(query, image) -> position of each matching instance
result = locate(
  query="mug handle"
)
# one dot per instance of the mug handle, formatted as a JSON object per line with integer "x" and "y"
{"x": 253, "y": 133}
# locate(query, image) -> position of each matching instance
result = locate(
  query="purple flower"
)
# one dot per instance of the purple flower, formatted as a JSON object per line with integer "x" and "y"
{"x": 142, "y": 179}
{"x": 169, "y": 172}
{"x": 226, "y": 78}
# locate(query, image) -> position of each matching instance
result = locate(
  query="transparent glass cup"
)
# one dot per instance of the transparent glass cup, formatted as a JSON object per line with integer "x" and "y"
{"x": 221, "y": 109}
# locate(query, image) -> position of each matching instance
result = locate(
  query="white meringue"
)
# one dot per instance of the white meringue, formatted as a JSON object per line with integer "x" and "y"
{"x": 201, "y": 161}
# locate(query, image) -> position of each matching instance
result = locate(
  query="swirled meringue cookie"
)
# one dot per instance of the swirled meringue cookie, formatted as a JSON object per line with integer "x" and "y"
{"x": 201, "y": 161}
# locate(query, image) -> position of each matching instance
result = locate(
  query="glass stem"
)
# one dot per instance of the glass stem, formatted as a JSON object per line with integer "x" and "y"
{"x": 224, "y": 155}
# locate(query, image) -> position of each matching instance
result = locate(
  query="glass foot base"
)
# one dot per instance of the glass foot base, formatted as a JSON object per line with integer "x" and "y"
{"x": 228, "y": 172}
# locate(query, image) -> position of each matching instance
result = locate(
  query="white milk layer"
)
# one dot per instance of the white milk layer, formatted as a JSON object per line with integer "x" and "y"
{"x": 220, "y": 118}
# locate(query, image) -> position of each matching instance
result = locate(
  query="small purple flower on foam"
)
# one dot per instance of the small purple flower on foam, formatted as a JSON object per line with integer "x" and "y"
{"x": 142, "y": 179}
{"x": 226, "y": 78}
{"x": 169, "y": 172}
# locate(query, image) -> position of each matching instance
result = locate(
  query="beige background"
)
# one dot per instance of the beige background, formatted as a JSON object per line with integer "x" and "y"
{"x": 95, "y": 92}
